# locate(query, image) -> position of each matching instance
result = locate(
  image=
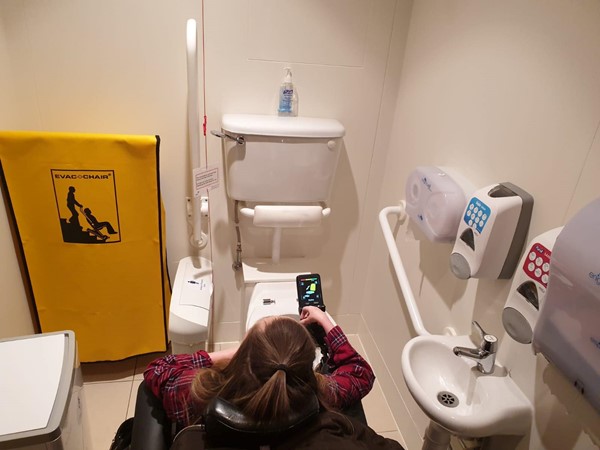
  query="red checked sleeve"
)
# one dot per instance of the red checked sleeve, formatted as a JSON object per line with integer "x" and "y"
{"x": 352, "y": 377}
{"x": 170, "y": 379}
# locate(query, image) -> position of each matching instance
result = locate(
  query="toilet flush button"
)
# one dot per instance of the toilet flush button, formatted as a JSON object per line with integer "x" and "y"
{"x": 331, "y": 145}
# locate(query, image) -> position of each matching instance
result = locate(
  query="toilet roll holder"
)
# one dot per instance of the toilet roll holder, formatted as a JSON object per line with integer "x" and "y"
{"x": 285, "y": 216}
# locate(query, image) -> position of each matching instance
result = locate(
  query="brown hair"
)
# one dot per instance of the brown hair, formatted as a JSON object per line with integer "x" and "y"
{"x": 271, "y": 373}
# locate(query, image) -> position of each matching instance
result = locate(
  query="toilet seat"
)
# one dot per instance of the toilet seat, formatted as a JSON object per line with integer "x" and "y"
{"x": 272, "y": 299}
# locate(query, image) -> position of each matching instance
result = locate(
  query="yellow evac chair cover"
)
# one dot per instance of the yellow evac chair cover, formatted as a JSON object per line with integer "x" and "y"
{"x": 87, "y": 216}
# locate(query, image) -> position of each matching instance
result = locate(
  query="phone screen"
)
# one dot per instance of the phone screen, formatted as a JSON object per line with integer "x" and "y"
{"x": 309, "y": 291}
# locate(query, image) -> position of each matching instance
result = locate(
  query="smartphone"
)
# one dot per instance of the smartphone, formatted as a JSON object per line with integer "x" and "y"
{"x": 309, "y": 291}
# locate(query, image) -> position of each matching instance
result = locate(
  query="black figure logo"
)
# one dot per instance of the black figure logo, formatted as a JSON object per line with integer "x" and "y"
{"x": 71, "y": 204}
{"x": 97, "y": 227}
{"x": 76, "y": 189}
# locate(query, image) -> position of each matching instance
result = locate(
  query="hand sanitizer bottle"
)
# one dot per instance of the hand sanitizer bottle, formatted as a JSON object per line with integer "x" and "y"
{"x": 288, "y": 99}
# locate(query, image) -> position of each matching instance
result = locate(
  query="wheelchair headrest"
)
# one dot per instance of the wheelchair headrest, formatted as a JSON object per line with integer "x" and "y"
{"x": 224, "y": 419}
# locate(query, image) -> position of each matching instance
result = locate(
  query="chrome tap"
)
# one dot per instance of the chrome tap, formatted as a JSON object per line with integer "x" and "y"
{"x": 485, "y": 353}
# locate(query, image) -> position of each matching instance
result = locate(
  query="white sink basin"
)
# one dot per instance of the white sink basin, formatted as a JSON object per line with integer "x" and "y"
{"x": 453, "y": 393}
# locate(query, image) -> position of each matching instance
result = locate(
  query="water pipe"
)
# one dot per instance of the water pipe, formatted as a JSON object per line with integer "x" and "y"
{"x": 198, "y": 238}
{"x": 407, "y": 292}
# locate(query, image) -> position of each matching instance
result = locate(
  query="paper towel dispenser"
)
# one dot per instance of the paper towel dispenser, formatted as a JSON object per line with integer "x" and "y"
{"x": 567, "y": 332}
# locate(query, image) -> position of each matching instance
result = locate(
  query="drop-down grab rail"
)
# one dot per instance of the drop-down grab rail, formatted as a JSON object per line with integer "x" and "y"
{"x": 407, "y": 292}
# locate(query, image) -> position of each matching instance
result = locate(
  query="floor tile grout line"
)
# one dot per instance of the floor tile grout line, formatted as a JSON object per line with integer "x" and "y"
{"x": 129, "y": 400}
{"x": 127, "y": 380}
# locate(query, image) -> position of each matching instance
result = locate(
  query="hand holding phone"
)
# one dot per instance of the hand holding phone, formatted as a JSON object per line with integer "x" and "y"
{"x": 314, "y": 316}
{"x": 310, "y": 294}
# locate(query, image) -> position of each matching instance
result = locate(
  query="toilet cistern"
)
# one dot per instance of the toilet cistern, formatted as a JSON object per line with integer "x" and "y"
{"x": 280, "y": 170}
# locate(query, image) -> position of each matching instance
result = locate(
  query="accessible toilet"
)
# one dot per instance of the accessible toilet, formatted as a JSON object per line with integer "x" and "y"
{"x": 268, "y": 293}
{"x": 280, "y": 171}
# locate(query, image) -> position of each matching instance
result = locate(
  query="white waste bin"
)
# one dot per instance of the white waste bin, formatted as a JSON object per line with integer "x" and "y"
{"x": 41, "y": 388}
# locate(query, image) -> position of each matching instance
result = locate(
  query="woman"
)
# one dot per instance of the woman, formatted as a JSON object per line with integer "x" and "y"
{"x": 269, "y": 374}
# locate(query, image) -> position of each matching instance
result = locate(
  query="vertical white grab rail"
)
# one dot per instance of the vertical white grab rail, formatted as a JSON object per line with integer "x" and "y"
{"x": 407, "y": 292}
{"x": 199, "y": 239}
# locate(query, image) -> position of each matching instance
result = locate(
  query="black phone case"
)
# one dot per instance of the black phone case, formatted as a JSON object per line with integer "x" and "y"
{"x": 311, "y": 299}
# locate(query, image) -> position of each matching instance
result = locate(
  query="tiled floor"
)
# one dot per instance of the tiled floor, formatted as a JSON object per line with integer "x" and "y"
{"x": 110, "y": 390}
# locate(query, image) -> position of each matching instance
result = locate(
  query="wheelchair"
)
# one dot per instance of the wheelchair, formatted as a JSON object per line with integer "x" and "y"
{"x": 225, "y": 427}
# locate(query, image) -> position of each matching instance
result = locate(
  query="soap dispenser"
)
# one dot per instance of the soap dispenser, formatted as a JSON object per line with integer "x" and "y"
{"x": 492, "y": 232}
{"x": 288, "y": 97}
{"x": 529, "y": 287}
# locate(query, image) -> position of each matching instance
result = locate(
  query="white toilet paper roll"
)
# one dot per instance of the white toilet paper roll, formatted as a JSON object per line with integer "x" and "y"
{"x": 287, "y": 216}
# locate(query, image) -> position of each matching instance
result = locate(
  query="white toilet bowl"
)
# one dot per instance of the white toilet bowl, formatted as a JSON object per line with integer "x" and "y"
{"x": 270, "y": 290}
{"x": 276, "y": 299}
{"x": 272, "y": 299}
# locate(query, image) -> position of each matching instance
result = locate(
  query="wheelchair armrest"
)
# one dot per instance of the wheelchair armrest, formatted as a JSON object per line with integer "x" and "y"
{"x": 151, "y": 426}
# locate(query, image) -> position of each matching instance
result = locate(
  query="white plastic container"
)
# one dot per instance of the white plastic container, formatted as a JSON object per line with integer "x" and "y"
{"x": 492, "y": 232}
{"x": 435, "y": 202}
{"x": 191, "y": 301}
{"x": 567, "y": 332}
{"x": 288, "y": 97}
{"x": 42, "y": 393}
{"x": 529, "y": 288}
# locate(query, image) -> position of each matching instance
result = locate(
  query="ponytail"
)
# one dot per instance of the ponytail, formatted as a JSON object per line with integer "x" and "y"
{"x": 271, "y": 400}
{"x": 270, "y": 374}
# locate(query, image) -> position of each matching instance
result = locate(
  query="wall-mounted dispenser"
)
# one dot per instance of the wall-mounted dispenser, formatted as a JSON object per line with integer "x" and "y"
{"x": 529, "y": 288}
{"x": 567, "y": 331}
{"x": 492, "y": 232}
{"x": 435, "y": 201}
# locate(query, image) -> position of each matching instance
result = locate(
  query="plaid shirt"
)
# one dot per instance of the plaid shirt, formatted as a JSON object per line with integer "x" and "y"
{"x": 170, "y": 377}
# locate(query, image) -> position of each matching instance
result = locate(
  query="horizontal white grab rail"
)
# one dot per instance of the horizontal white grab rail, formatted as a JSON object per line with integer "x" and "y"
{"x": 407, "y": 292}
{"x": 249, "y": 212}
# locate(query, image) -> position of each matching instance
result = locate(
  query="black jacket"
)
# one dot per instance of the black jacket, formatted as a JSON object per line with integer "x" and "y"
{"x": 332, "y": 430}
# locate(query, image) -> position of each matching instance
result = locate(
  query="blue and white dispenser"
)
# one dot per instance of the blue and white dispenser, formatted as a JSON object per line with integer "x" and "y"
{"x": 567, "y": 332}
{"x": 492, "y": 232}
